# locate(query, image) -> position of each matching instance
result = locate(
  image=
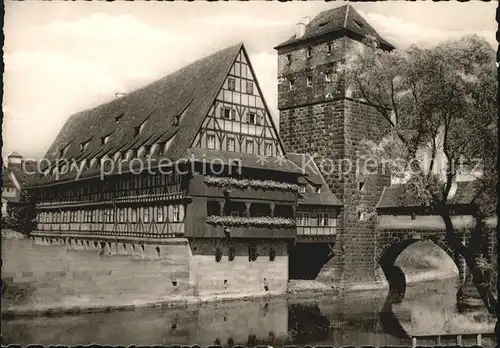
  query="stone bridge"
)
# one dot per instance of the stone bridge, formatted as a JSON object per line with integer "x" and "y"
{"x": 396, "y": 233}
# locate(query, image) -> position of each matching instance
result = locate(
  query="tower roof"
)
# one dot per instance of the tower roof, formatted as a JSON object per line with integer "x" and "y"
{"x": 339, "y": 21}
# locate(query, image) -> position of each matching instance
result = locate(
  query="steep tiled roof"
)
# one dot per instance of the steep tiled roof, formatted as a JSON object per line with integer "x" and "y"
{"x": 392, "y": 196}
{"x": 340, "y": 20}
{"x": 189, "y": 92}
{"x": 314, "y": 178}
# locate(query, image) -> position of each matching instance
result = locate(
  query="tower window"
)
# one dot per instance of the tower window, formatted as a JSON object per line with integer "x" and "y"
{"x": 328, "y": 76}
{"x": 249, "y": 87}
{"x": 361, "y": 185}
{"x": 309, "y": 52}
{"x": 309, "y": 80}
{"x": 329, "y": 48}
{"x": 292, "y": 84}
{"x": 231, "y": 84}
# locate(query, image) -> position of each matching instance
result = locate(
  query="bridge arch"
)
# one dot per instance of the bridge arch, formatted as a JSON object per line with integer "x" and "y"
{"x": 389, "y": 252}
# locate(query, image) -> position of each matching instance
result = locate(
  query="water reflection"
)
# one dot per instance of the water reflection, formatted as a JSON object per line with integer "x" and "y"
{"x": 353, "y": 319}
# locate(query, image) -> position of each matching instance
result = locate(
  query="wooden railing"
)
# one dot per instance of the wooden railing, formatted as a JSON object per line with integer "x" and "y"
{"x": 452, "y": 339}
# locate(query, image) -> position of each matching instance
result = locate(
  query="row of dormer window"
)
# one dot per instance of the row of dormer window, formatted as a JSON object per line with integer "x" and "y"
{"x": 143, "y": 151}
{"x": 105, "y": 139}
{"x": 309, "y": 52}
{"x": 170, "y": 213}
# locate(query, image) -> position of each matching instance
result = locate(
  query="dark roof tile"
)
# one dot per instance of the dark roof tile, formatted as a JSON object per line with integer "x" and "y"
{"x": 343, "y": 19}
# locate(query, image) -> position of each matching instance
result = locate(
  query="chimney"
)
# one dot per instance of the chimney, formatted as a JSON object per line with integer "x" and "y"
{"x": 300, "y": 30}
{"x": 306, "y": 20}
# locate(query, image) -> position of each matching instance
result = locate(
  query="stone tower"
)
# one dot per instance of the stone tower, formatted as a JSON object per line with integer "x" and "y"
{"x": 320, "y": 116}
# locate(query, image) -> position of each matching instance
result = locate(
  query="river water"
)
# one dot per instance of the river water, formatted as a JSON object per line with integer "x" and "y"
{"x": 352, "y": 319}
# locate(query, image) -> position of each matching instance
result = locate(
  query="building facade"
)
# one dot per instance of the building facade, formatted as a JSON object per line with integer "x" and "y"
{"x": 216, "y": 181}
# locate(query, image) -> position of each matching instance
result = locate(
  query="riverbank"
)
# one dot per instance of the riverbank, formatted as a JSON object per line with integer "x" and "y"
{"x": 298, "y": 289}
{"x": 18, "y": 299}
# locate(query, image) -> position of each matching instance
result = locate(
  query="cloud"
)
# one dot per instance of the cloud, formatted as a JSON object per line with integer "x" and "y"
{"x": 403, "y": 34}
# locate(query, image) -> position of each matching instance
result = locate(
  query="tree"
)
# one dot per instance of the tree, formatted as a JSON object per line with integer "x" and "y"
{"x": 438, "y": 102}
{"x": 22, "y": 214}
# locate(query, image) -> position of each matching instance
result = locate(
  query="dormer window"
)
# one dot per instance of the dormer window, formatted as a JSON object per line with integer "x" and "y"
{"x": 309, "y": 52}
{"x": 138, "y": 130}
{"x": 161, "y": 148}
{"x": 83, "y": 146}
{"x": 104, "y": 140}
{"x": 359, "y": 24}
{"x": 117, "y": 118}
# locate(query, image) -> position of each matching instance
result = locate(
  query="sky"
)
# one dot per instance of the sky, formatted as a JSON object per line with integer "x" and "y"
{"x": 63, "y": 57}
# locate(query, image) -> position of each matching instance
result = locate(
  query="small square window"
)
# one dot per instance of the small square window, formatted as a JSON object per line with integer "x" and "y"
{"x": 226, "y": 113}
{"x": 318, "y": 190}
{"x": 289, "y": 58}
{"x": 252, "y": 118}
{"x": 302, "y": 189}
{"x": 231, "y": 84}
{"x": 309, "y": 81}
{"x": 309, "y": 52}
{"x": 249, "y": 87}
{"x": 292, "y": 84}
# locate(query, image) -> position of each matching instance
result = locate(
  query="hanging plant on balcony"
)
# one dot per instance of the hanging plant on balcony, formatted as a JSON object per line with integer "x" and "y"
{"x": 237, "y": 221}
{"x": 226, "y": 182}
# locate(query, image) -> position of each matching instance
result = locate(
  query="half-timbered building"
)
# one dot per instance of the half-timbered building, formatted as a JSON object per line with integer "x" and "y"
{"x": 194, "y": 156}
